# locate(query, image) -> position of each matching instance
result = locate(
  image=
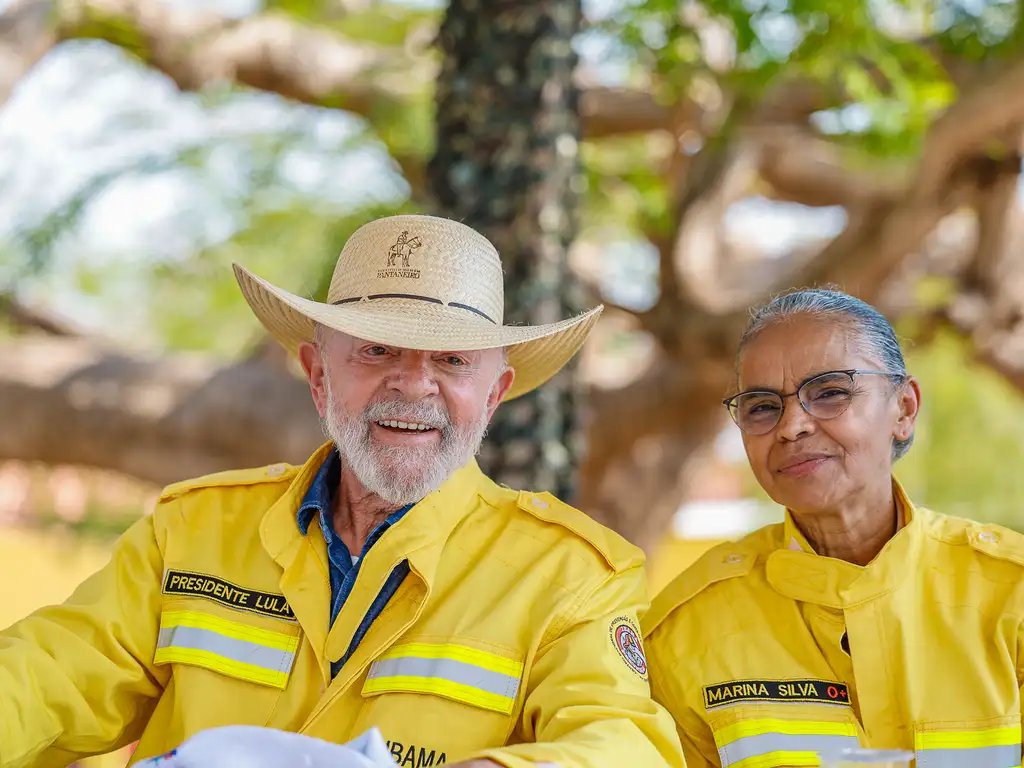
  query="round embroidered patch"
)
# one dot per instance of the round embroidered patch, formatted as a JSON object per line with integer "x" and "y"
{"x": 626, "y": 639}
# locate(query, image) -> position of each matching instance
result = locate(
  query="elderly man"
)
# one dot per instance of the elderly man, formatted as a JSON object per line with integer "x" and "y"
{"x": 386, "y": 582}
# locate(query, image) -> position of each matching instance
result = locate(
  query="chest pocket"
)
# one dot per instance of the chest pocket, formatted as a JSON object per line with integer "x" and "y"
{"x": 226, "y": 646}
{"x": 456, "y": 672}
{"x": 769, "y": 723}
{"x": 990, "y": 744}
{"x": 218, "y": 655}
{"x": 418, "y": 691}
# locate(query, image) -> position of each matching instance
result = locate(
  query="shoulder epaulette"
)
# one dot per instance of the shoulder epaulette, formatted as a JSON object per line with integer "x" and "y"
{"x": 617, "y": 552}
{"x": 725, "y": 561}
{"x": 273, "y": 473}
{"x": 996, "y": 541}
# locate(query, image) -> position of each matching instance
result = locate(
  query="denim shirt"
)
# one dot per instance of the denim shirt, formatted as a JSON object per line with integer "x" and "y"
{"x": 343, "y": 568}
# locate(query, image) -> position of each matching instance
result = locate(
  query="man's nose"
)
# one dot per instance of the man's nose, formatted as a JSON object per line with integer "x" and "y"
{"x": 413, "y": 376}
{"x": 795, "y": 422}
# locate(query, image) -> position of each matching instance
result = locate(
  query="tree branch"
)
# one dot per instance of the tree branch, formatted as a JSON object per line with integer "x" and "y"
{"x": 615, "y": 111}
{"x": 28, "y": 318}
{"x": 950, "y": 171}
{"x": 801, "y": 168}
{"x": 271, "y": 52}
{"x": 886, "y": 222}
{"x": 995, "y": 208}
{"x": 67, "y": 401}
{"x": 981, "y": 115}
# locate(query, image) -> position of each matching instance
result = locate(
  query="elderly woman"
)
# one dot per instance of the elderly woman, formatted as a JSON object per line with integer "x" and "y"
{"x": 861, "y": 620}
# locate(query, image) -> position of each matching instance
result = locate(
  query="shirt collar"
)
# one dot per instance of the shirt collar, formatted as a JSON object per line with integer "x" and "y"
{"x": 319, "y": 499}
{"x": 320, "y": 496}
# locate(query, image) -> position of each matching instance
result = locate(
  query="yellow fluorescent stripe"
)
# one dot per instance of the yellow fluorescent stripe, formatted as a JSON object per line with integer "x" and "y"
{"x": 992, "y": 737}
{"x": 232, "y": 629}
{"x": 217, "y": 663}
{"x": 730, "y": 733}
{"x": 774, "y": 759}
{"x": 463, "y": 653}
{"x": 440, "y": 687}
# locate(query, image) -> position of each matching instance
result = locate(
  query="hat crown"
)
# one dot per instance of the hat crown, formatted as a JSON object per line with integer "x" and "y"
{"x": 421, "y": 258}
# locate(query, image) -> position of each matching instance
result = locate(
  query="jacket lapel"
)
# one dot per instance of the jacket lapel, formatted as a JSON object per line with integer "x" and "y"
{"x": 305, "y": 581}
{"x": 419, "y": 537}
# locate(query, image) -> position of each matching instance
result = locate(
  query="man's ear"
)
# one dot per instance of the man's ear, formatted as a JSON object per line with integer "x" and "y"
{"x": 501, "y": 387}
{"x": 313, "y": 366}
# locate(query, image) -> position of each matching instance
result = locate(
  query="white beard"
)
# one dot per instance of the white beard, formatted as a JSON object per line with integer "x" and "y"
{"x": 401, "y": 476}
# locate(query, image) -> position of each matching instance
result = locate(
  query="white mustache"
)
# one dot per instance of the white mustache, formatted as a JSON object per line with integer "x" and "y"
{"x": 432, "y": 414}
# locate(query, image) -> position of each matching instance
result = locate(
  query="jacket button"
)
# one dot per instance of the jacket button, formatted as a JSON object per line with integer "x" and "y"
{"x": 734, "y": 558}
{"x": 276, "y": 470}
{"x": 540, "y": 503}
{"x": 988, "y": 536}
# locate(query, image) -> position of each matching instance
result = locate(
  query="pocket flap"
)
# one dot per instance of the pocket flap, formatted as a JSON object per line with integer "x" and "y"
{"x": 458, "y": 672}
{"x": 982, "y": 747}
{"x": 227, "y": 647}
{"x": 767, "y": 742}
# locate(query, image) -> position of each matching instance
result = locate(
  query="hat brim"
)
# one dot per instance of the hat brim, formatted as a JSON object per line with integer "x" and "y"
{"x": 536, "y": 352}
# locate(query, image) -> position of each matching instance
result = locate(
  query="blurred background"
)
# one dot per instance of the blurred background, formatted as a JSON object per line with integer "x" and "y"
{"x": 679, "y": 161}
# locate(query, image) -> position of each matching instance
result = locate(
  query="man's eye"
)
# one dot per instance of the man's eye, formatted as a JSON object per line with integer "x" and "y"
{"x": 454, "y": 360}
{"x": 376, "y": 351}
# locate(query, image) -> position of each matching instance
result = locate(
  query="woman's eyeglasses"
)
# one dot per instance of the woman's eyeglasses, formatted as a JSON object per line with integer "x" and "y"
{"x": 825, "y": 396}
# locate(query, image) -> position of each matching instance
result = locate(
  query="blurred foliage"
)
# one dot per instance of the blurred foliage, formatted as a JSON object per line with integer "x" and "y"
{"x": 378, "y": 23}
{"x": 100, "y": 524}
{"x": 196, "y": 305}
{"x": 876, "y": 62}
{"x": 182, "y": 294}
{"x": 879, "y": 64}
{"x": 967, "y": 450}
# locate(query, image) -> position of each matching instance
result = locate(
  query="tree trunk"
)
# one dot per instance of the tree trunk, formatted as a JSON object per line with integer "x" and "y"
{"x": 506, "y": 164}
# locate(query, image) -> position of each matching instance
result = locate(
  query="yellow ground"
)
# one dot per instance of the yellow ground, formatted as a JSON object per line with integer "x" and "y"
{"x": 37, "y": 569}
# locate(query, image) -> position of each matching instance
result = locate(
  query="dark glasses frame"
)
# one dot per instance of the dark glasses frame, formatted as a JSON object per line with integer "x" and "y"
{"x": 851, "y": 372}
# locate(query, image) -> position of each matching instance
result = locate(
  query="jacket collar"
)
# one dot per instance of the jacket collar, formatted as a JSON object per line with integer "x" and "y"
{"x": 795, "y": 570}
{"x": 432, "y": 519}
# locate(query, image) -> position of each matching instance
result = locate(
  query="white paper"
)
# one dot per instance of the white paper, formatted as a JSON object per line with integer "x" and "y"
{"x": 248, "y": 746}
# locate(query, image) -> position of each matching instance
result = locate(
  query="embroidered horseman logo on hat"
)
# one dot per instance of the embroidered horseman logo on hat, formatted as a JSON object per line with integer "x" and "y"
{"x": 401, "y": 250}
{"x": 404, "y": 247}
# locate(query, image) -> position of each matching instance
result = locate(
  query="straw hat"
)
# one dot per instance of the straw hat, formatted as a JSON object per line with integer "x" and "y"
{"x": 420, "y": 282}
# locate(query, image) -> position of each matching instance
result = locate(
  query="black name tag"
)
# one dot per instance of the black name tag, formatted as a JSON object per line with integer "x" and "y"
{"x": 803, "y": 691}
{"x": 226, "y": 593}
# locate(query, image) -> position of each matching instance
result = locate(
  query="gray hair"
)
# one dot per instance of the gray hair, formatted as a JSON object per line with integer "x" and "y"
{"x": 870, "y": 324}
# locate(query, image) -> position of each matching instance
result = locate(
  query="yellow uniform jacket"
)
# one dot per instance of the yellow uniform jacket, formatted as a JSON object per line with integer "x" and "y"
{"x": 767, "y": 654}
{"x": 513, "y": 637}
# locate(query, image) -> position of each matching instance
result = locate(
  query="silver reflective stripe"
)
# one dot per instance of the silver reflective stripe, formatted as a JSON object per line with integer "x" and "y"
{"x": 194, "y": 638}
{"x": 1000, "y": 756}
{"x": 447, "y": 669}
{"x": 763, "y": 744}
